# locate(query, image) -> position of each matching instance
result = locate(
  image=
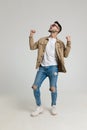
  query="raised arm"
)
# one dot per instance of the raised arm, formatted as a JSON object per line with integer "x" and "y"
{"x": 32, "y": 45}
{"x": 67, "y": 47}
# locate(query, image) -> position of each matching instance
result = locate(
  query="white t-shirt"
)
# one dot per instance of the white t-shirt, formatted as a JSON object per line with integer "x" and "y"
{"x": 49, "y": 55}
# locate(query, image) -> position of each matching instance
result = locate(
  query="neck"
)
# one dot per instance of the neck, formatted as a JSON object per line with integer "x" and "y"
{"x": 53, "y": 36}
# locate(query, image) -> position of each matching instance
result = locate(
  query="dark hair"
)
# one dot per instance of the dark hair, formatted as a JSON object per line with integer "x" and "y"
{"x": 58, "y": 25}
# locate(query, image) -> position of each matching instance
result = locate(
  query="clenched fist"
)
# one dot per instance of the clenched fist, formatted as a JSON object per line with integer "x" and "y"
{"x": 32, "y": 32}
{"x": 68, "y": 38}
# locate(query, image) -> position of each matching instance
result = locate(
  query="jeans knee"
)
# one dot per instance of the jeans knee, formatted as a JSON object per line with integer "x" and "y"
{"x": 52, "y": 89}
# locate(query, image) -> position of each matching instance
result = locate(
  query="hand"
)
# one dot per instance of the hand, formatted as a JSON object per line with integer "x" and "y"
{"x": 68, "y": 38}
{"x": 32, "y": 32}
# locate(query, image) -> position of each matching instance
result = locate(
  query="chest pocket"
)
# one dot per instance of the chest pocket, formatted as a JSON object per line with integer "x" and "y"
{"x": 41, "y": 47}
{"x": 59, "y": 45}
{"x": 59, "y": 48}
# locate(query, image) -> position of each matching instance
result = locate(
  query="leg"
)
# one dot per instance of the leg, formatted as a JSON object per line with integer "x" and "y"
{"x": 40, "y": 77}
{"x": 53, "y": 76}
{"x": 54, "y": 96}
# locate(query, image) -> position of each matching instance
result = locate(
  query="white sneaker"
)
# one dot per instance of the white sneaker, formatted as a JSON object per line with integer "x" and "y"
{"x": 53, "y": 110}
{"x": 38, "y": 111}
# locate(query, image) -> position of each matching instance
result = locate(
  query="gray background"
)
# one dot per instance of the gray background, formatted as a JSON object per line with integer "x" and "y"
{"x": 17, "y": 62}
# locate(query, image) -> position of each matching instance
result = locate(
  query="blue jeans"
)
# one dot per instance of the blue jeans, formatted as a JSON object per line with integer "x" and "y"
{"x": 52, "y": 73}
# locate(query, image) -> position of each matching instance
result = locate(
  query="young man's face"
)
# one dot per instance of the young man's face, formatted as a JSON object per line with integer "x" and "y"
{"x": 54, "y": 29}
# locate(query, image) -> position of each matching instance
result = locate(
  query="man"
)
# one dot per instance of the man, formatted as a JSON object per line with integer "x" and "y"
{"x": 50, "y": 61}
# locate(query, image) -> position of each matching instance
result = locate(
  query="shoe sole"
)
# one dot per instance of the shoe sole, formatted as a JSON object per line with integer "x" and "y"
{"x": 37, "y": 114}
{"x": 53, "y": 114}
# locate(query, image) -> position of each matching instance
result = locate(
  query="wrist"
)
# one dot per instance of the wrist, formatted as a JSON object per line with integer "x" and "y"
{"x": 68, "y": 43}
{"x": 68, "y": 40}
{"x": 30, "y": 35}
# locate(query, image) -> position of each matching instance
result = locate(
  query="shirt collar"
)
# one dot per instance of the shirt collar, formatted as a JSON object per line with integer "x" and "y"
{"x": 47, "y": 38}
